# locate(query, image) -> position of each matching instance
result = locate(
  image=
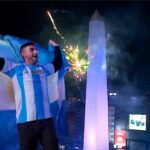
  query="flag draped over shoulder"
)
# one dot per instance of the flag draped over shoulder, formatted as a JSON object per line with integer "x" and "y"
{"x": 10, "y": 49}
{"x": 7, "y": 101}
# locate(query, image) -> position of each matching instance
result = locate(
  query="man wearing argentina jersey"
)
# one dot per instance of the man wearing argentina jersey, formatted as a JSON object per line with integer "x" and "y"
{"x": 34, "y": 119}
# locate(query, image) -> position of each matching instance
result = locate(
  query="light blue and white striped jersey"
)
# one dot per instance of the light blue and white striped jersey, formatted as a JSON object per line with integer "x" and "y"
{"x": 31, "y": 90}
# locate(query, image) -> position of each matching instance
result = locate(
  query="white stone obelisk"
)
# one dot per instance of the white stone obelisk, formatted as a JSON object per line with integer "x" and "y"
{"x": 96, "y": 111}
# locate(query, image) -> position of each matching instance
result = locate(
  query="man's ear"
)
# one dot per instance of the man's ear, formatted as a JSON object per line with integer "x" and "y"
{"x": 22, "y": 53}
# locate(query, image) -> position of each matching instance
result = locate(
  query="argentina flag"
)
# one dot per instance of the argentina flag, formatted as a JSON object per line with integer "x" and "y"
{"x": 9, "y": 49}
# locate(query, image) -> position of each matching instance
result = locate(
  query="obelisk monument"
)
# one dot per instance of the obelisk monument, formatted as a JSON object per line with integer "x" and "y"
{"x": 96, "y": 111}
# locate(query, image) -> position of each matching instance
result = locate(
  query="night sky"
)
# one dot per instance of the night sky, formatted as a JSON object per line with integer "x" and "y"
{"x": 127, "y": 32}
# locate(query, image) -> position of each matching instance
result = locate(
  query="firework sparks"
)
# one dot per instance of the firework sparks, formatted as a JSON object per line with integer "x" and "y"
{"x": 54, "y": 26}
{"x": 78, "y": 64}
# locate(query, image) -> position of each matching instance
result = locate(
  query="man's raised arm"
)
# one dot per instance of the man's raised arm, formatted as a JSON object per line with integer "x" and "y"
{"x": 57, "y": 62}
{"x": 2, "y": 62}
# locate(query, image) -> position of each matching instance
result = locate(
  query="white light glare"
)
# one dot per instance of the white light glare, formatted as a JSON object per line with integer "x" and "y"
{"x": 112, "y": 94}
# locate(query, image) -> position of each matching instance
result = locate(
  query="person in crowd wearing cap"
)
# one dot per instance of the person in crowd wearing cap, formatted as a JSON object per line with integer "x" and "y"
{"x": 34, "y": 118}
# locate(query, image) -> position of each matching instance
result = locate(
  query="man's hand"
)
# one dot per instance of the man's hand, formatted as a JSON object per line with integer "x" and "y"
{"x": 53, "y": 43}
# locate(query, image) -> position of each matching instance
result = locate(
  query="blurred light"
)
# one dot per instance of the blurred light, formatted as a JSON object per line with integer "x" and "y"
{"x": 120, "y": 126}
{"x": 112, "y": 94}
{"x": 92, "y": 138}
{"x": 62, "y": 147}
{"x": 115, "y": 146}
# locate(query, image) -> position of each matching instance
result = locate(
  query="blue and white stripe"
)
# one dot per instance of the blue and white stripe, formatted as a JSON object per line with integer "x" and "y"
{"x": 30, "y": 88}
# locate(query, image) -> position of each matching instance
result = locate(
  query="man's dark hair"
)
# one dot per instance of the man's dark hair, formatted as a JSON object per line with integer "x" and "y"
{"x": 26, "y": 44}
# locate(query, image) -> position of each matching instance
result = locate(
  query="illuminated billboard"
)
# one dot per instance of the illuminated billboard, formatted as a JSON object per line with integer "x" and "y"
{"x": 137, "y": 122}
{"x": 120, "y": 138}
